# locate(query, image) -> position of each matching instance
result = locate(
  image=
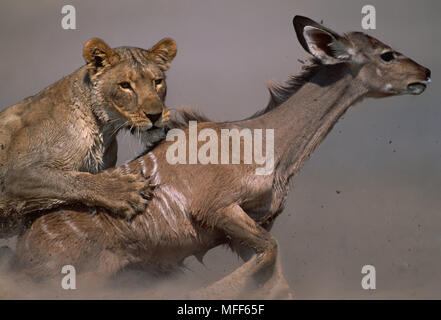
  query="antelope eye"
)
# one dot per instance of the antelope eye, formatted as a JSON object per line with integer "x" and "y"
{"x": 125, "y": 85}
{"x": 158, "y": 82}
{"x": 388, "y": 56}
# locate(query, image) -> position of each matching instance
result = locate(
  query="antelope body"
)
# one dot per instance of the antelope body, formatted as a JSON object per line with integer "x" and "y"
{"x": 197, "y": 207}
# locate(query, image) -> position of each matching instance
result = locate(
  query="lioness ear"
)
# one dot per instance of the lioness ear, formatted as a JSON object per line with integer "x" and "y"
{"x": 163, "y": 53}
{"x": 98, "y": 55}
{"x": 324, "y": 44}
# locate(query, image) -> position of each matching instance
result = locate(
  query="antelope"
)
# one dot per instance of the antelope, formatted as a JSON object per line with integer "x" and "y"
{"x": 196, "y": 207}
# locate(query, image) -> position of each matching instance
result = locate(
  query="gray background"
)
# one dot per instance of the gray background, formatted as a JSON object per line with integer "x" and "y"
{"x": 384, "y": 156}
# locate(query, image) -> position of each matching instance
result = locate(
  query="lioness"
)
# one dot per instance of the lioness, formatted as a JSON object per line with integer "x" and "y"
{"x": 54, "y": 144}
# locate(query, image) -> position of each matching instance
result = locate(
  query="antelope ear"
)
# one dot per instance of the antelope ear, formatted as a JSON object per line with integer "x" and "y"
{"x": 324, "y": 44}
{"x": 163, "y": 53}
{"x": 98, "y": 55}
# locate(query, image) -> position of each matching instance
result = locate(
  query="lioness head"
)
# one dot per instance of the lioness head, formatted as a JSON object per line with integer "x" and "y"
{"x": 128, "y": 83}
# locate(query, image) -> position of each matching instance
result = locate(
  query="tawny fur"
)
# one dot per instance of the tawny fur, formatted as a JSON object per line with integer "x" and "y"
{"x": 53, "y": 144}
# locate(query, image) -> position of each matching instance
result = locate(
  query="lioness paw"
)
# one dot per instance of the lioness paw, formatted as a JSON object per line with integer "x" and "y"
{"x": 125, "y": 194}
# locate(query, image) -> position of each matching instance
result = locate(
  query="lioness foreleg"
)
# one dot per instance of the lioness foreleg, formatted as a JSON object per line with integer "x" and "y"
{"x": 39, "y": 188}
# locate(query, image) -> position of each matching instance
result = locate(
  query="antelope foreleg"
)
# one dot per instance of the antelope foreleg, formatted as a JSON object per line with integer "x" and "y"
{"x": 247, "y": 280}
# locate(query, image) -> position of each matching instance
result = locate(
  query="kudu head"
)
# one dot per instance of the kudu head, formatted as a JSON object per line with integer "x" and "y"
{"x": 381, "y": 70}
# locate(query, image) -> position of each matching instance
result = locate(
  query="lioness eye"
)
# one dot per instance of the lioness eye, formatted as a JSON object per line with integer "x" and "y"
{"x": 388, "y": 56}
{"x": 125, "y": 85}
{"x": 158, "y": 82}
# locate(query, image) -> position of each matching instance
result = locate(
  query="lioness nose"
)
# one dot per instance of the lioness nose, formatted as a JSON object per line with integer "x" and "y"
{"x": 153, "y": 117}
